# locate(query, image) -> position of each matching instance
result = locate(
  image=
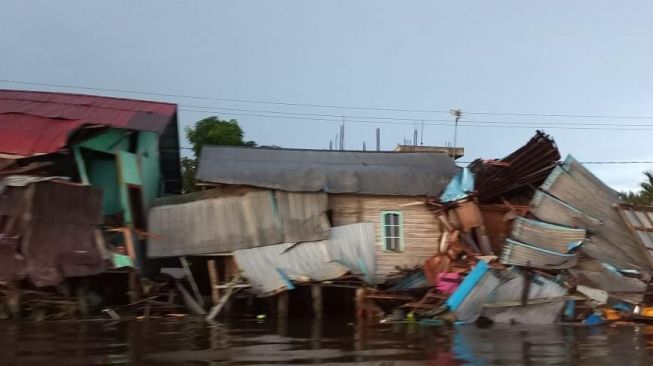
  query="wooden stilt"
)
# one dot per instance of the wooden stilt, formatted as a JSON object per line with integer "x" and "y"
{"x": 213, "y": 276}
{"x": 191, "y": 280}
{"x": 13, "y": 299}
{"x": 282, "y": 305}
{"x": 316, "y": 295}
{"x": 361, "y": 308}
{"x": 82, "y": 297}
{"x": 134, "y": 289}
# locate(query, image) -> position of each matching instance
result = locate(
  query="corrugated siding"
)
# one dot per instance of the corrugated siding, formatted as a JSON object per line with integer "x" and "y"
{"x": 546, "y": 236}
{"x": 422, "y": 230}
{"x": 349, "y": 248}
{"x": 226, "y": 224}
{"x": 577, "y": 190}
{"x": 640, "y": 221}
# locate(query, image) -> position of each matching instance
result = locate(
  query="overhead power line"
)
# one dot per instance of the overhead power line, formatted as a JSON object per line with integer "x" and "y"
{"x": 413, "y": 121}
{"x": 476, "y": 124}
{"x": 326, "y": 106}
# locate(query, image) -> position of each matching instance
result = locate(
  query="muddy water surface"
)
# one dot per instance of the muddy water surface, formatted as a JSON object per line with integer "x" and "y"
{"x": 193, "y": 342}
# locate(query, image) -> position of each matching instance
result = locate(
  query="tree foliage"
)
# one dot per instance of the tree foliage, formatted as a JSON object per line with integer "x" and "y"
{"x": 645, "y": 194}
{"x": 209, "y": 131}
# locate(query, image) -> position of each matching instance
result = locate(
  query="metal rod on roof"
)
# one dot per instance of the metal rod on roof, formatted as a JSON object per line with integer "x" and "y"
{"x": 378, "y": 139}
{"x": 342, "y": 134}
{"x": 421, "y": 141}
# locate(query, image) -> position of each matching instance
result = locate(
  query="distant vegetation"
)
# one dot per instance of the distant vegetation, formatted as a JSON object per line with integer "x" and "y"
{"x": 645, "y": 194}
{"x": 208, "y": 131}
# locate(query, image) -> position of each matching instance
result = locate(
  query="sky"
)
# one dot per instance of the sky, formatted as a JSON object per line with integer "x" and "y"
{"x": 403, "y": 63}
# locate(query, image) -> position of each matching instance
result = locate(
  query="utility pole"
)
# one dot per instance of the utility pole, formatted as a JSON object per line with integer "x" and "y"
{"x": 457, "y": 113}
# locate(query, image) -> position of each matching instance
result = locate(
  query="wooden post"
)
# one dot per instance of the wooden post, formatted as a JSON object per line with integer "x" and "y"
{"x": 82, "y": 297}
{"x": 129, "y": 243}
{"x": 360, "y": 304}
{"x": 191, "y": 280}
{"x": 282, "y": 305}
{"x": 213, "y": 276}
{"x": 13, "y": 299}
{"x": 316, "y": 295}
{"x": 134, "y": 290}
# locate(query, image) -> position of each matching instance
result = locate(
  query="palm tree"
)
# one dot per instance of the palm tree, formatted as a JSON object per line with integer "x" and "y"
{"x": 645, "y": 194}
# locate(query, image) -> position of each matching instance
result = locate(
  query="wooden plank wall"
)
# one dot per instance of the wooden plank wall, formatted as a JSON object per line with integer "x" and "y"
{"x": 422, "y": 230}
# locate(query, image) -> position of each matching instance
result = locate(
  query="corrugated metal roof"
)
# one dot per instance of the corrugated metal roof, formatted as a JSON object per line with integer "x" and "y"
{"x": 546, "y": 236}
{"x": 383, "y": 173}
{"x": 577, "y": 190}
{"x": 350, "y": 248}
{"x": 525, "y": 167}
{"x": 520, "y": 254}
{"x": 226, "y": 224}
{"x": 545, "y": 300}
{"x": 41, "y": 122}
{"x": 640, "y": 221}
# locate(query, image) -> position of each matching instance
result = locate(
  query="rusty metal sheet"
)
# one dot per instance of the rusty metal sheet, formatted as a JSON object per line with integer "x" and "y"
{"x": 526, "y": 167}
{"x": 57, "y": 236}
{"x": 498, "y": 220}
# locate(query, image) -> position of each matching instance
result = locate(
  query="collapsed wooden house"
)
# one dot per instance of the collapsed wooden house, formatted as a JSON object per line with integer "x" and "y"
{"x": 75, "y": 164}
{"x": 261, "y": 197}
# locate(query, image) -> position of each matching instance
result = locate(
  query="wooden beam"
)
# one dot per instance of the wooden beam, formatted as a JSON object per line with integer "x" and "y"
{"x": 191, "y": 280}
{"x": 213, "y": 276}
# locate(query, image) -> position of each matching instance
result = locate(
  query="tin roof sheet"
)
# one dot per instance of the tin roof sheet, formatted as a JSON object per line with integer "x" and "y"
{"x": 41, "y": 122}
{"x": 383, "y": 173}
{"x": 225, "y": 224}
{"x": 349, "y": 248}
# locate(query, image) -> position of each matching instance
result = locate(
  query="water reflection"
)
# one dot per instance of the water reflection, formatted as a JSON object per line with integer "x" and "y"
{"x": 193, "y": 342}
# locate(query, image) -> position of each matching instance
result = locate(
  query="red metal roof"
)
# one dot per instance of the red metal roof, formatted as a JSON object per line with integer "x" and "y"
{"x": 41, "y": 122}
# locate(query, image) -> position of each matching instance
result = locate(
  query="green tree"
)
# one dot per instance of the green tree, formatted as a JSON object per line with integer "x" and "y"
{"x": 209, "y": 131}
{"x": 645, "y": 194}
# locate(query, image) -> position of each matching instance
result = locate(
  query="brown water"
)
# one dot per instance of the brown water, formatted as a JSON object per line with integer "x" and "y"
{"x": 193, "y": 342}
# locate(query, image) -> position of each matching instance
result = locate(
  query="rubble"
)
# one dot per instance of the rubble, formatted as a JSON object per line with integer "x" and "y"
{"x": 532, "y": 240}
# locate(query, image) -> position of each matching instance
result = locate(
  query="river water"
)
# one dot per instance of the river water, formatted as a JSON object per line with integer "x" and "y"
{"x": 192, "y": 342}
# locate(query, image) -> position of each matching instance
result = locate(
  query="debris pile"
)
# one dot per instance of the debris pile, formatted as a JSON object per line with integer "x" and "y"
{"x": 529, "y": 239}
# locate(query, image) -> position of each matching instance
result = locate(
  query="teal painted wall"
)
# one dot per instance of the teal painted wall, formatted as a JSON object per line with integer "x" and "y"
{"x": 148, "y": 152}
{"x": 104, "y": 174}
{"x": 121, "y": 168}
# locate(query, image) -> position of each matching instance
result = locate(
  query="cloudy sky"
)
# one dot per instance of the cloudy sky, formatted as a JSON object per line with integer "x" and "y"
{"x": 290, "y": 71}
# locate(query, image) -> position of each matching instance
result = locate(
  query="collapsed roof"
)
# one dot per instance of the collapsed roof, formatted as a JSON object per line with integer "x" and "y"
{"x": 35, "y": 122}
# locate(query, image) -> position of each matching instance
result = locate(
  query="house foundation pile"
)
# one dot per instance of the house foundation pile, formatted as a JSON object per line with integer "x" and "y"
{"x": 530, "y": 239}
